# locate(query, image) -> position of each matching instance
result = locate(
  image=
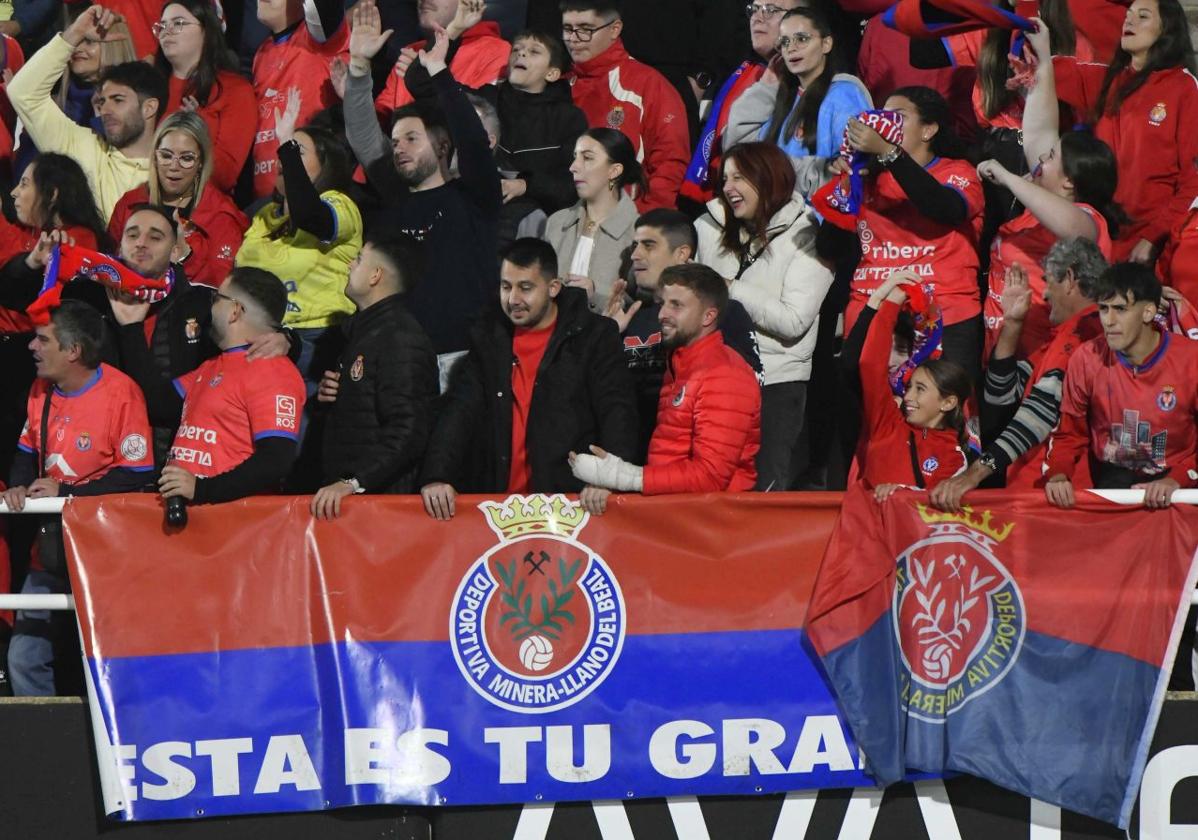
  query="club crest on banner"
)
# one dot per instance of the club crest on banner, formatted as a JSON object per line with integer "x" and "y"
{"x": 958, "y": 614}
{"x": 538, "y": 621}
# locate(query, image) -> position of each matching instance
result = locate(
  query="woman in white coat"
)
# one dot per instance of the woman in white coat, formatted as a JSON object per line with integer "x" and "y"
{"x": 760, "y": 235}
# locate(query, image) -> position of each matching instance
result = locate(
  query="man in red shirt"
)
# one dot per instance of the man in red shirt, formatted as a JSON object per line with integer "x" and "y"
{"x": 709, "y": 412}
{"x": 1131, "y": 398}
{"x": 86, "y": 434}
{"x": 542, "y": 378}
{"x": 240, "y": 423}
{"x": 616, "y": 91}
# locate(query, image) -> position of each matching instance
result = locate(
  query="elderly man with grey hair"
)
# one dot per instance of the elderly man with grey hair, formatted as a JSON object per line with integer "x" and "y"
{"x": 1022, "y": 397}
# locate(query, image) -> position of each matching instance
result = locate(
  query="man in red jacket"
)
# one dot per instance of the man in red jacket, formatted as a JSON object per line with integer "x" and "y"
{"x": 616, "y": 91}
{"x": 709, "y": 412}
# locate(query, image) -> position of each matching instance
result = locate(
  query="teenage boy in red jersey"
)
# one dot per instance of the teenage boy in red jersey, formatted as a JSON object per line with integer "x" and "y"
{"x": 305, "y": 38}
{"x": 96, "y": 440}
{"x": 1130, "y": 399}
{"x": 240, "y": 423}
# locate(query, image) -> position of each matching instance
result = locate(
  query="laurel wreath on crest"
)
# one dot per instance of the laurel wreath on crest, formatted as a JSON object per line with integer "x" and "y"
{"x": 939, "y": 645}
{"x": 520, "y": 602}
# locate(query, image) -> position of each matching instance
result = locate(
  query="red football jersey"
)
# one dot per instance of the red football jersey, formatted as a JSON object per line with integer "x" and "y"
{"x": 1026, "y": 241}
{"x": 301, "y": 61}
{"x": 100, "y": 427}
{"x": 230, "y": 402}
{"x": 1140, "y": 418}
{"x": 893, "y": 234}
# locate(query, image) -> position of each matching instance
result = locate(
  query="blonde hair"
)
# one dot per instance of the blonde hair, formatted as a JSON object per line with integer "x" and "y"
{"x": 116, "y": 48}
{"x": 193, "y": 125}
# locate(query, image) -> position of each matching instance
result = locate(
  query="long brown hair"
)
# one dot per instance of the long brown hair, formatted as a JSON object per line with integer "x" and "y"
{"x": 951, "y": 380}
{"x": 769, "y": 170}
{"x": 1172, "y": 48}
{"x": 993, "y": 67}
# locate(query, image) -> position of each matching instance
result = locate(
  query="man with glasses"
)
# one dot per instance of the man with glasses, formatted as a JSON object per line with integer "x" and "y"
{"x": 764, "y": 19}
{"x": 615, "y": 90}
{"x": 130, "y": 99}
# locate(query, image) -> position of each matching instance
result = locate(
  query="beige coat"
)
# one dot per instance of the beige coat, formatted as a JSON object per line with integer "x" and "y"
{"x": 611, "y": 255}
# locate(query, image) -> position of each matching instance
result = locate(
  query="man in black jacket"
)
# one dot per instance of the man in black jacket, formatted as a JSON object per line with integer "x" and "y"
{"x": 383, "y": 390}
{"x": 542, "y": 378}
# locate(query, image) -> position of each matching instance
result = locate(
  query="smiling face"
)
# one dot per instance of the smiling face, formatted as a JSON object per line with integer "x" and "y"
{"x": 1141, "y": 28}
{"x": 182, "y": 37}
{"x": 741, "y": 195}
{"x": 1050, "y": 173}
{"x": 603, "y": 33}
{"x": 592, "y": 169}
{"x": 528, "y": 67}
{"x": 923, "y": 404}
{"x": 527, "y": 296}
{"x": 684, "y": 316}
{"x": 177, "y": 160}
{"x": 803, "y": 49}
{"x": 85, "y": 60}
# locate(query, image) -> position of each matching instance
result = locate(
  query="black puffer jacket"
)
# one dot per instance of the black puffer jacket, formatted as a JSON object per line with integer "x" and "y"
{"x": 583, "y": 395}
{"x": 379, "y": 426}
{"x": 536, "y": 139}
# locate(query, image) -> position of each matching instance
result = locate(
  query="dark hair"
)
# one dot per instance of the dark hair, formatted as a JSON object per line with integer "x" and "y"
{"x": 1135, "y": 281}
{"x": 675, "y": 226}
{"x": 336, "y": 170}
{"x": 769, "y": 170}
{"x": 1172, "y": 48}
{"x": 403, "y": 253}
{"x": 1090, "y": 164}
{"x": 559, "y": 56}
{"x": 599, "y": 7}
{"x": 77, "y": 324}
{"x": 952, "y": 380}
{"x": 263, "y": 288}
{"x": 143, "y": 79}
{"x": 1081, "y": 255}
{"x": 63, "y": 192}
{"x": 993, "y": 67}
{"x": 619, "y": 149}
{"x": 530, "y": 252}
{"x": 214, "y": 54}
{"x": 434, "y": 122}
{"x": 703, "y": 280}
{"x": 806, "y": 115}
{"x": 165, "y": 212}
{"x": 932, "y": 108}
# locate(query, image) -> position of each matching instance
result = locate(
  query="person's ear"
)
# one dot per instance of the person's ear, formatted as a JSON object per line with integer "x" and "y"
{"x": 617, "y": 28}
{"x": 711, "y": 316}
{"x": 555, "y": 286}
{"x": 177, "y": 250}
{"x": 930, "y": 130}
{"x": 949, "y": 404}
{"x": 149, "y": 109}
{"x": 1150, "y": 313}
{"x": 553, "y": 74}
{"x": 683, "y": 254}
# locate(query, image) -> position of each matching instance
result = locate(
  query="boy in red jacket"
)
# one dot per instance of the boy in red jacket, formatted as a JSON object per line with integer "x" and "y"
{"x": 709, "y": 412}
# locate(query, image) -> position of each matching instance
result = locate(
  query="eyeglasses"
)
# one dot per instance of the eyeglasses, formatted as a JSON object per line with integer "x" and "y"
{"x": 223, "y": 296}
{"x": 767, "y": 11}
{"x": 799, "y": 39}
{"x": 171, "y": 27}
{"x": 186, "y": 160}
{"x": 583, "y": 34}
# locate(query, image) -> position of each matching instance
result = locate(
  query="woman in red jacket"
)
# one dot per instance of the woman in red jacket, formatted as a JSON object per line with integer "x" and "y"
{"x": 212, "y": 226}
{"x": 203, "y": 78}
{"x": 918, "y": 442}
{"x": 1145, "y": 107}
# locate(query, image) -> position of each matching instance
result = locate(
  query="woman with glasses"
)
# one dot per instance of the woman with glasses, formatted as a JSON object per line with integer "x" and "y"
{"x": 802, "y": 103}
{"x": 211, "y": 226}
{"x": 203, "y": 78}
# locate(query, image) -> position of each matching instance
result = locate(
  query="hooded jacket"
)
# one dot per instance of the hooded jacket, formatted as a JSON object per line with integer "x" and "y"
{"x": 537, "y": 132}
{"x": 582, "y": 395}
{"x": 479, "y": 59}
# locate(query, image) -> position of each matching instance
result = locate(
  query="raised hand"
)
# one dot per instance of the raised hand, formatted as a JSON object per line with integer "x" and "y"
{"x": 366, "y": 37}
{"x": 285, "y": 122}
{"x": 469, "y": 13}
{"x": 92, "y": 25}
{"x": 1016, "y": 297}
{"x": 433, "y": 58}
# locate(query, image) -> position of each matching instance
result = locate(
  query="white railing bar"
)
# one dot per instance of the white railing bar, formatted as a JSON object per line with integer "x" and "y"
{"x": 37, "y": 602}
{"x": 37, "y": 506}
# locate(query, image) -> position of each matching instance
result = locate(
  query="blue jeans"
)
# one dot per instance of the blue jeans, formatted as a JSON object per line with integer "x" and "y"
{"x": 31, "y": 651}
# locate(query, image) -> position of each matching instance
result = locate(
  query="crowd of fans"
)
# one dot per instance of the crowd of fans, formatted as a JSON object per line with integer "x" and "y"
{"x": 644, "y": 249}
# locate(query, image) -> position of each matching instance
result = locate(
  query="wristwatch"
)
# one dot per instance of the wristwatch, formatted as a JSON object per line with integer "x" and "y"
{"x": 354, "y": 485}
{"x": 988, "y": 461}
{"x": 890, "y": 157}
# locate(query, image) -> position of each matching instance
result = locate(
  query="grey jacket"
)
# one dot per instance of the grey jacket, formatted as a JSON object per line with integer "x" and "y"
{"x": 611, "y": 255}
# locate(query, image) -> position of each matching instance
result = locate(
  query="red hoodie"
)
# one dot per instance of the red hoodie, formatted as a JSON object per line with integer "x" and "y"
{"x": 480, "y": 60}
{"x": 615, "y": 90}
{"x": 894, "y": 449}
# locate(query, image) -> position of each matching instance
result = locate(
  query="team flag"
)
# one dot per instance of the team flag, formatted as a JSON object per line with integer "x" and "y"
{"x": 1003, "y": 642}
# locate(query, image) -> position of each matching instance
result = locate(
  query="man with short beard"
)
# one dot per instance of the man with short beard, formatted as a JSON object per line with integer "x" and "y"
{"x": 130, "y": 100}
{"x": 456, "y": 219}
{"x": 709, "y": 412}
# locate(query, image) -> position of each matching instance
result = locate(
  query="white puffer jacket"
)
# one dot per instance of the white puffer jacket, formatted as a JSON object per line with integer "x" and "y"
{"x": 782, "y": 289}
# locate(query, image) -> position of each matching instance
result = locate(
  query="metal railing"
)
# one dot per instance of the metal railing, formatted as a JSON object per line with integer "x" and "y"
{"x": 67, "y": 602}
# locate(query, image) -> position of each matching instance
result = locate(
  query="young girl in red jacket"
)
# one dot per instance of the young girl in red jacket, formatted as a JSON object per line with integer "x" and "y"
{"x": 918, "y": 441}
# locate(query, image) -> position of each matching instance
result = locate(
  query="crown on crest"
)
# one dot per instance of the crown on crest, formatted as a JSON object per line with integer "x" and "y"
{"x": 519, "y": 516}
{"x": 966, "y": 518}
